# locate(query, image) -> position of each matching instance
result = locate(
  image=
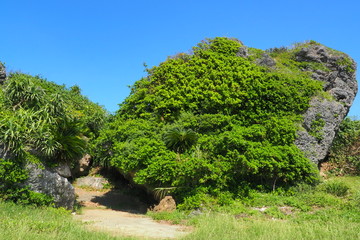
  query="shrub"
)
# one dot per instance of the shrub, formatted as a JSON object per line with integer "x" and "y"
{"x": 41, "y": 121}
{"x": 243, "y": 120}
{"x": 344, "y": 153}
{"x": 336, "y": 188}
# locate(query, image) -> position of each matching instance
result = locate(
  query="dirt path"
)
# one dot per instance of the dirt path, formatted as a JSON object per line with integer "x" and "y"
{"x": 119, "y": 214}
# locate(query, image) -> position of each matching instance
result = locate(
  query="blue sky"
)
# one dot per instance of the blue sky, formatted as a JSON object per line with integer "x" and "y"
{"x": 102, "y": 45}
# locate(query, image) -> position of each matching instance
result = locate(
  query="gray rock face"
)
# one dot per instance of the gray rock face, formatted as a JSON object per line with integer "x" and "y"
{"x": 93, "y": 182}
{"x": 51, "y": 183}
{"x": 243, "y": 52}
{"x": 63, "y": 170}
{"x": 2, "y": 73}
{"x": 266, "y": 60}
{"x": 322, "y": 119}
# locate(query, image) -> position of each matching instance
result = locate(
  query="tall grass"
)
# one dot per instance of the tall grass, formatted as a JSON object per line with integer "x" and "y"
{"x": 217, "y": 226}
{"x": 317, "y": 213}
{"x": 29, "y": 223}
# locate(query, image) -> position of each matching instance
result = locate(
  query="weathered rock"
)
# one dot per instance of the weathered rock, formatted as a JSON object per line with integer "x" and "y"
{"x": 92, "y": 182}
{"x": 82, "y": 166}
{"x": 63, "y": 170}
{"x": 49, "y": 182}
{"x": 243, "y": 52}
{"x": 266, "y": 60}
{"x": 2, "y": 73}
{"x": 167, "y": 204}
{"x": 340, "y": 82}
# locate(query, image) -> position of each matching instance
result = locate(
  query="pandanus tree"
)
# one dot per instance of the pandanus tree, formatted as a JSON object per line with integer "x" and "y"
{"x": 38, "y": 121}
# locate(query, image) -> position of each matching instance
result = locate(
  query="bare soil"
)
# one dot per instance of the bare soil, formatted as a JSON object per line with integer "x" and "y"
{"x": 121, "y": 214}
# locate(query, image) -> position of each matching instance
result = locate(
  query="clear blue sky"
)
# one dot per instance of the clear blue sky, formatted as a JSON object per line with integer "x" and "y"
{"x": 102, "y": 45}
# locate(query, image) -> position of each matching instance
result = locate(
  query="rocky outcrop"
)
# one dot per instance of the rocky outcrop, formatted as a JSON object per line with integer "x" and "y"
{"x": 82, "y": 166}
{"x": 322, "y": 119}
{"x": 47, "y": 181}
{"x": 2, "y": 73}
{"x": 92, "y": 182}
{"x": 266, "y": 60}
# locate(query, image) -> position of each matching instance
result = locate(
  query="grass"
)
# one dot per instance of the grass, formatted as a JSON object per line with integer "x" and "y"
{"x": 324, "y": 212}
{"x": 304, "y": 213}
{"x": 221, "y": 226}
{"x": 27, "y": 223}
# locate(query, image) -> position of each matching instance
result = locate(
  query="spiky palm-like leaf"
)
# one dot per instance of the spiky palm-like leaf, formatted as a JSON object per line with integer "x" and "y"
{"x": 70, "y": 144}
{"x": 179, "y": 139}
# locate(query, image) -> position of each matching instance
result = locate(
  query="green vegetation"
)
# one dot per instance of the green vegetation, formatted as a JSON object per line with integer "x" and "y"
{"x": 316, "y": 127}
{"x": 213, "y": 123}
{"x": 24, "y": 222}
{"x": 305, "y": 212}
{"x": 214, "y": 129}
{"x": 344, "y": 157}
{"x": 41, "y": 123}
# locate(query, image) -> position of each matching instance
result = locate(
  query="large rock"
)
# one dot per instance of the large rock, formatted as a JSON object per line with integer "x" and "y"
{"x": 167, "y": 204}
{"x": 92, "y": 182}
{"x": 82, "y": 166}
{"x": 322, "y": 119}
{"x": 48, "y": 181}
{"x": 63, "y": 170}
{"x": 2, "y": 73}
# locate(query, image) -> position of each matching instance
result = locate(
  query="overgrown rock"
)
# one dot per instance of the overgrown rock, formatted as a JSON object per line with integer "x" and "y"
{"x": 322, "y": 119}
{"x": 167, "y": 204}
{"x": 266, "y": 60}
{"x": 243, "y": 52}
{"x": 48, "y": 181}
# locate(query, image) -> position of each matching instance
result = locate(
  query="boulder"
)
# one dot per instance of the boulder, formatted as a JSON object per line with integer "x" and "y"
{"x": 48, "y": 181}
{"x": 167, "y": 204}
{"x": 63, "y": 170}
{"x": 323, "y": 117}
{"x": 92, "y": 182}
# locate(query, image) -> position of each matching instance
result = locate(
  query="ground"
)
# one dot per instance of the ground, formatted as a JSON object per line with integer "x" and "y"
{"x": 121, "y": 214}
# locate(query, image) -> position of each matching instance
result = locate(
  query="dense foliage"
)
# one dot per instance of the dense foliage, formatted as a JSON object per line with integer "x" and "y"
{"x": 344, "y": 157}
{"x": 213, "y": 122}
{"x": 41, "y": 122}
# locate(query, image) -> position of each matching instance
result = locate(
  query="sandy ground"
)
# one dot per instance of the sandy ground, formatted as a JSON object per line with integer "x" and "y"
{"x": 118, "y": 214}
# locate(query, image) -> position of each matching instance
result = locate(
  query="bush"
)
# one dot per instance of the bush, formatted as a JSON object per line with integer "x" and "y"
{"x": 41, "y": 121}
{"x": 12, "y": 177}
{"x": 345, "y": 151}
{"x": 335, "y": 188}
{"x": 215, "y": 121}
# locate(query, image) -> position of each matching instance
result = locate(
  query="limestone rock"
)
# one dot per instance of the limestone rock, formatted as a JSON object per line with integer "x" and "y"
{"x": 82, "y": 166}
{"x": 92, "y": 182}
{"x": 266, "y": 60}
{"x": 47, "y": 181}
{"x": 243, "y": 52}
{"x": 63, "y": 170}
{"x": 340, "y": 82}
{"x": 167, "y": 204}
